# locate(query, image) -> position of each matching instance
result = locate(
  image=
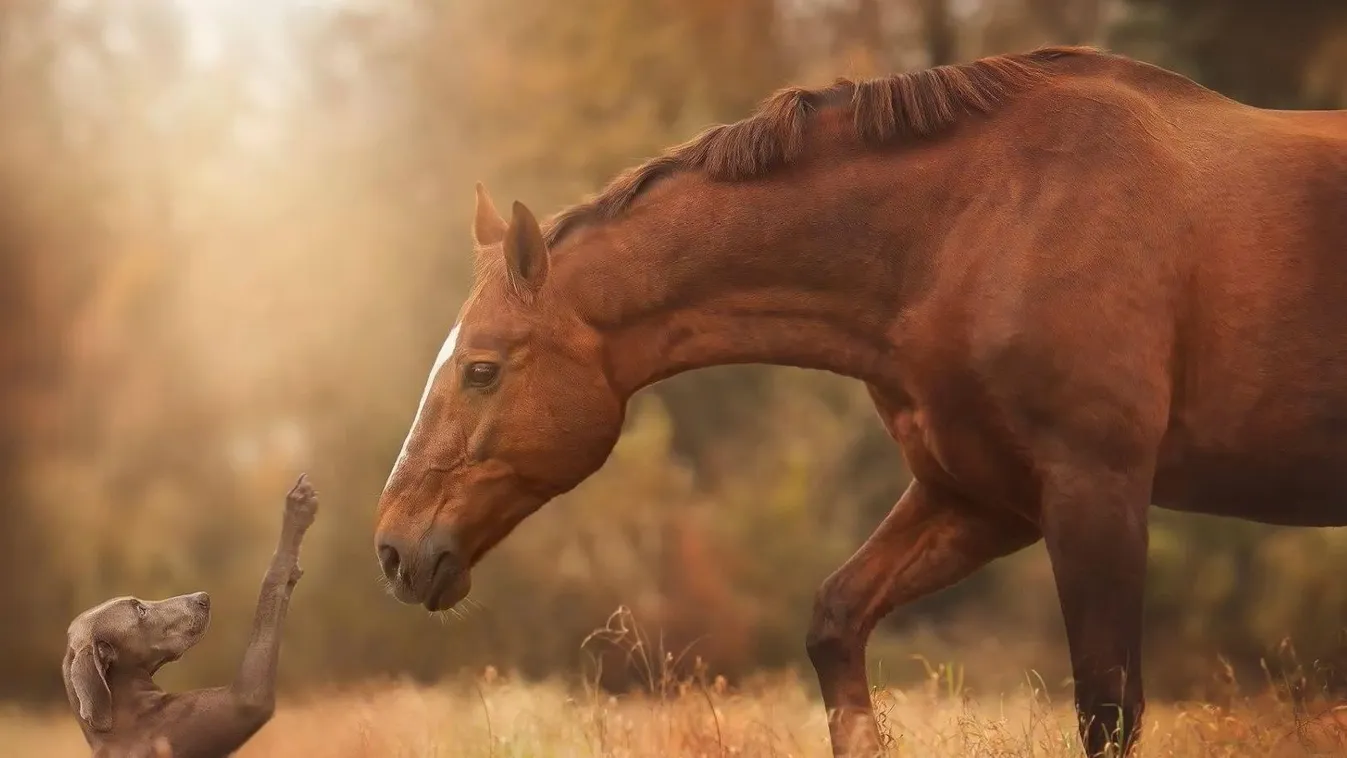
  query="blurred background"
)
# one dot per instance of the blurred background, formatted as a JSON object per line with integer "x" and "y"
{"x": 234, "y": 233}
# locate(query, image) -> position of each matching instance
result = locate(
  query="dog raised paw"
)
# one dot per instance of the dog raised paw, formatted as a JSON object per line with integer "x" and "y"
{"x": 301, "y": 504}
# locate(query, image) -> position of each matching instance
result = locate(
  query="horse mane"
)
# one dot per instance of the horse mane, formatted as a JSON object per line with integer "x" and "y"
{"x": 884, "y": 110}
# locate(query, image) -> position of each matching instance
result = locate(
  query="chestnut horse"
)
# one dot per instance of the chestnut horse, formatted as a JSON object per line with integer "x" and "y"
{"x": 1075, "y": 285}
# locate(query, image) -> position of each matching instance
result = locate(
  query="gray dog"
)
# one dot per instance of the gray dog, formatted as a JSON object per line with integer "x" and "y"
{"x": 114, "y": 650}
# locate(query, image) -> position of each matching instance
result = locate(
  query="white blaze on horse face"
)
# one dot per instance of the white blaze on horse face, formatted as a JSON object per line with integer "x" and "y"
{"x": 446, "y": 351}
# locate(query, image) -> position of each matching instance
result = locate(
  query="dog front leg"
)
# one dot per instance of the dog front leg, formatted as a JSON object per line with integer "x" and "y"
{"x": 213, "y": 723}
{"x": 255, "y": 686}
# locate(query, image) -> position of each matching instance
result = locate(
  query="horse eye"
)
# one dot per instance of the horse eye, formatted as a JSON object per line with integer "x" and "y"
{"x": 141, "y": 610}
{"x": 480, "y": 374}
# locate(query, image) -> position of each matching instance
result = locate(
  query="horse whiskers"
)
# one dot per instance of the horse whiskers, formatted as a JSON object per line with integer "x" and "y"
{"x": 448, "y": 615}
{"x": 461, "y": 612}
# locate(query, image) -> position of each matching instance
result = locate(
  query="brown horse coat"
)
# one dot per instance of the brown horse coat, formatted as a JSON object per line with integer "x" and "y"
{"x": 1075, "y": 285}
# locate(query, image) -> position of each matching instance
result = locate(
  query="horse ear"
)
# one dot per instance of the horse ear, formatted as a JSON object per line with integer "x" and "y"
{"x": 488, "y": 227}
{"x": 87, "y": 677}
{"x": 526, "y": 255}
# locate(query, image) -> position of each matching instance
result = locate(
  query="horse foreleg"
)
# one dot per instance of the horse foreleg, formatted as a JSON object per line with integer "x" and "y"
{"x": 1094, "y": 527}
{"x": 930, "y": 540}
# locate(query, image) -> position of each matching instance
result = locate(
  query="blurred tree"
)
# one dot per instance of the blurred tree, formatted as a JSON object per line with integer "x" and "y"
{"x": 1326, "y": 78}
{"x": 1257, "y": 52}
{"x": 1068, "y": 22}
{"x": 940, "y": 32}
{"x": 44, "y": 268}
{"x": 229, "y": 251}
{"x": 23, "y": 370}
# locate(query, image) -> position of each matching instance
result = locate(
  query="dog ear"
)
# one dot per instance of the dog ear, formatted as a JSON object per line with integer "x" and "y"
{"x": 86, "y": 676}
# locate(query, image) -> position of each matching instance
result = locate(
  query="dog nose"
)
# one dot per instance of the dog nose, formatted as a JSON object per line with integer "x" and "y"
{"x": 202, "y": 600}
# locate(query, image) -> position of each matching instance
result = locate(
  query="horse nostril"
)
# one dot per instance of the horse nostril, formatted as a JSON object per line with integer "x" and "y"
{"x": 389, "y": 561}
{"x": 201, "y": 599}
{"x": 444, "y": 568}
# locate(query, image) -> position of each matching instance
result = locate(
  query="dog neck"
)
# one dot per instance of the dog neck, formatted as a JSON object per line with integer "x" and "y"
{"x": 134, "y": 694}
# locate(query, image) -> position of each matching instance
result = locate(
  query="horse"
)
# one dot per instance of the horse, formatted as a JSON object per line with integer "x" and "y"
{"x": 1075, "y": 285}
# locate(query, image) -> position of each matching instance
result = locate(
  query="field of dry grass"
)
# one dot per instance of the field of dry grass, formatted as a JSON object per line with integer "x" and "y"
{"x": 495, "y": 717}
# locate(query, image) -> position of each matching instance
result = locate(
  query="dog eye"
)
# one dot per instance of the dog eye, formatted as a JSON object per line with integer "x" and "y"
{"x": 481, "y": 374}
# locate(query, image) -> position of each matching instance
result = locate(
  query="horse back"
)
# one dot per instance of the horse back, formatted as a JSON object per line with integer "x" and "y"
{"x": 1145, "y": 269}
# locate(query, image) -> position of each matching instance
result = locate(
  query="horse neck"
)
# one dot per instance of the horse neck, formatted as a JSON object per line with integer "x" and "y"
{"x": 803, "y": 268}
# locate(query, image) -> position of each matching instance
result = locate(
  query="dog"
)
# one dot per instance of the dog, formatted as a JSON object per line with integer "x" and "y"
{"x": 114, "y": 649}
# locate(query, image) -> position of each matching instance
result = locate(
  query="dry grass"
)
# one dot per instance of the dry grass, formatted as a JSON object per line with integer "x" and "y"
{"x": 498, "y": 717}
{"x": 501, "y": 718}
